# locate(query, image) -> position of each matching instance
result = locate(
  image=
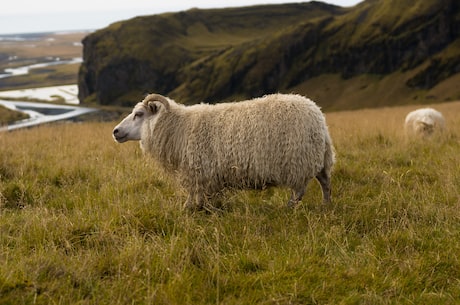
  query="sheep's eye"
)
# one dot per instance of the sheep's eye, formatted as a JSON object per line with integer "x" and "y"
{"x": 138, "y": 114}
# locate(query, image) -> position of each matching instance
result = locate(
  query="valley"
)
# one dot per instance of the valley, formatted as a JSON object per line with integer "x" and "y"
{"x": 39, "y": 71}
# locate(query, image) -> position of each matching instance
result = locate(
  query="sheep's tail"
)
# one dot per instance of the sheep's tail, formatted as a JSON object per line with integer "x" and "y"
{"x": 156, "y": 98}
{"x": 329, "y": 154}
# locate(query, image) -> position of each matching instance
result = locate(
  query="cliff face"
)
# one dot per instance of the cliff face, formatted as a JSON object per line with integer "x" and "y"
{"x": 216, "y": 55}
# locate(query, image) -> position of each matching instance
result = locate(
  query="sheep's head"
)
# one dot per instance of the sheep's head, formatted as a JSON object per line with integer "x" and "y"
{"x": 425, "y": 126}
{"x": 129, "y": 128}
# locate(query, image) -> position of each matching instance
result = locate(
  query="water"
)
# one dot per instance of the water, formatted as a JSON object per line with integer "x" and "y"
{"x": 24, "y": 70}
{"x": 40, "y": 113}
{"x": 43, "y": 112}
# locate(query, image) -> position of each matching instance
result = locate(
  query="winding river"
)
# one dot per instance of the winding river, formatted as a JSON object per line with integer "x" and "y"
{"x": 9, "y": 72}
{"x": 40, "y": 113}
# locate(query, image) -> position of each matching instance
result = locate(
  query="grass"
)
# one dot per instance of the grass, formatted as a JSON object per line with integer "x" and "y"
{"x": 334, "y": 93}
{"x": 9, "y": 116}
{"x": 84, "y": 220}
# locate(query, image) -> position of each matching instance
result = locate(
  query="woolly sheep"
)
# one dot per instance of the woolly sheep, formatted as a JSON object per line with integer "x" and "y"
{"x": 424, "y": 122}
{"x": 275, "y": 140}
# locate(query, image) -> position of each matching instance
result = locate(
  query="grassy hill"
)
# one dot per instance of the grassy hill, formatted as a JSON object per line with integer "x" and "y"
{"x": 163, "y": 51}
{"x": 85, "y": 220}
{"x": 407, "y": 49}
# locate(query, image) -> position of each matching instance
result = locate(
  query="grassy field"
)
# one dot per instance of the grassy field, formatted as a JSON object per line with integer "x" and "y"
{"x": 84, "y": 220}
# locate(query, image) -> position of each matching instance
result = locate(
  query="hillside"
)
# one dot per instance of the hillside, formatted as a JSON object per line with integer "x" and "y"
{"x": 376, "y": 53}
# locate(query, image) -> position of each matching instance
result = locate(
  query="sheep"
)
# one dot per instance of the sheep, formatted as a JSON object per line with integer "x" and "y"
{"x": 424, "y": 122}
{"x": 275, "y": 140}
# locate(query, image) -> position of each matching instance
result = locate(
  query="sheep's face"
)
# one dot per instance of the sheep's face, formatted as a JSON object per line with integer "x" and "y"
{"x": 129, "y": 128}
{"x": 425, "y": 126}
{"x": 424, "y": 129}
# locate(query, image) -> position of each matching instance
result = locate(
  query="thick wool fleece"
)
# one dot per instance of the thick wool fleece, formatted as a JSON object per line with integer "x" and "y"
{"x": 273, "y": 140}
{"x": 423, "y": 122}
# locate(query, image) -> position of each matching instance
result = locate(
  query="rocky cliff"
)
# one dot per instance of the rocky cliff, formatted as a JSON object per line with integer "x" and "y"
{"x": 340, "y": 56}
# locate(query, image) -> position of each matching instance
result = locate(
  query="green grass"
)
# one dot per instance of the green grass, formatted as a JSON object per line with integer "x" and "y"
{"x": 84, "y": 220}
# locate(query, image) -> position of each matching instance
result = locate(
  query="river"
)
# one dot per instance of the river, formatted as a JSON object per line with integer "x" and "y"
{"x": 59, "y": 102}
{"x": 40, "y": 113}
{"x": 9, "y": 72}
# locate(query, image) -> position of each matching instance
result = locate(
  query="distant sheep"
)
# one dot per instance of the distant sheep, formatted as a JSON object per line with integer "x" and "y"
{"x": 424, "y": 122}
{"x": 275, "y": 140}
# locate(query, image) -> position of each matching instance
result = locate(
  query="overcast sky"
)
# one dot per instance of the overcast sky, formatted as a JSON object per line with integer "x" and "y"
{"x": 29, "y": 16}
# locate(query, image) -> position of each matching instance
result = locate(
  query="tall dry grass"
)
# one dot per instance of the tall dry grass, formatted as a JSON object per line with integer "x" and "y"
{"x": 84, "y": 220}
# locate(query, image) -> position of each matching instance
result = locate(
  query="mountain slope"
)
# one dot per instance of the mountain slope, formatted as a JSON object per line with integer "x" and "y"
{"x": 216, "y": 55}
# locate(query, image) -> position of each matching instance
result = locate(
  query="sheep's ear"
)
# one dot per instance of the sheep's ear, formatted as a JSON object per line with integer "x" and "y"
{"x": 153, "y": 107}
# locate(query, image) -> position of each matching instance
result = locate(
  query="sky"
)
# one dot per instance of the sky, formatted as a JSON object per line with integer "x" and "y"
{"x": 33, "y": 16}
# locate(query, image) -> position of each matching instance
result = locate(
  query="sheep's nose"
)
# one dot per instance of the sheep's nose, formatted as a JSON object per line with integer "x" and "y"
{"x": 115, "y": 131}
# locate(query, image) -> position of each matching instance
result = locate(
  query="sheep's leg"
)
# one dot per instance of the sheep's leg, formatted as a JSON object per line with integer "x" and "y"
{"x": 297, "y": 194}
{"x": 194, "y": 202}
{"x": 200, "y": 201}
{"x": 325, "y": 181}
{"x": 190, "y": 202}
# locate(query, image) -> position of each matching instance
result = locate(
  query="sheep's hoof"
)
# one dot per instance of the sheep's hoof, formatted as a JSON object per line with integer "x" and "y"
{"x": 211, "y": 209}
{"x": 292, "y": 203}
{"x": 191, "y": 207}
{"x": 326, "y": 206}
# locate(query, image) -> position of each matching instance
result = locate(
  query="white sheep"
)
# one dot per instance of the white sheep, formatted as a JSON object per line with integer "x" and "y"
{"x": 424, "y": 122}
{"x": 275, "y": 140}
